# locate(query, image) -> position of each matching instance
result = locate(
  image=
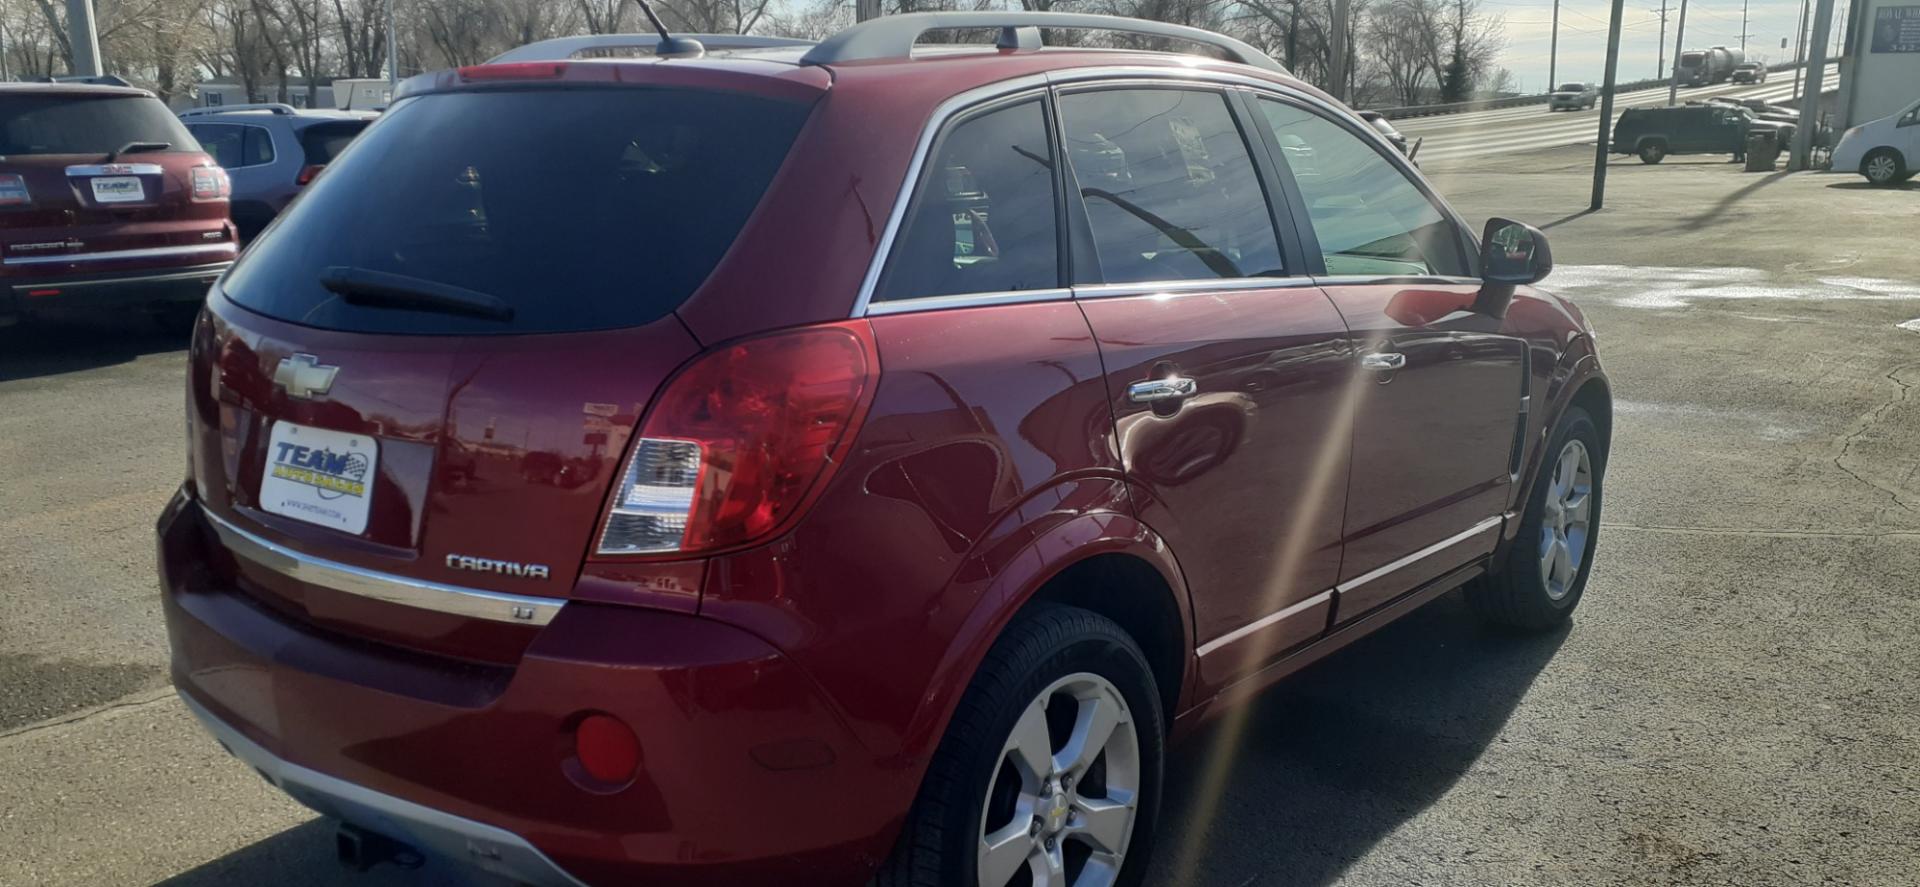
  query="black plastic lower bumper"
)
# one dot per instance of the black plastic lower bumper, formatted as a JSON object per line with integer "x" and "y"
{"x": 122, "y": 289}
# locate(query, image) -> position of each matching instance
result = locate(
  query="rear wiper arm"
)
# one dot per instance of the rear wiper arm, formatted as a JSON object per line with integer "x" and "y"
{"x": 138, "y": 147}
{"x": 378, "y": 289}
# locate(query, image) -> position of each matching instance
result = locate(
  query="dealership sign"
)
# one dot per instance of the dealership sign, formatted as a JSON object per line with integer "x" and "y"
{"x": 1896, "y": 29}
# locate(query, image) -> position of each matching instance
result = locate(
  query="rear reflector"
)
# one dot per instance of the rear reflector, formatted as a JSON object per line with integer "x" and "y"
{"x": 514, "y": 71}
{"x": 738, "y": 440}
{"x": 13, "y": 190}
{"x": 307, "y": 173}
{"x": 41, "y": 293}
{"x": 210, "y": 183}
{"x": 606, "y": 748}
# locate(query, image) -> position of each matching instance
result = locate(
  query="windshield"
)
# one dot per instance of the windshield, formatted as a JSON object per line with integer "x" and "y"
{"x": 1572, "y": 87}
{"x": 86, "y": 124}
{"x": 577, "y": 209}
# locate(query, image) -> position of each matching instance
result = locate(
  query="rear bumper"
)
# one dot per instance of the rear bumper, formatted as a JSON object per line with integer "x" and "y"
{"x": 747, "y": 776}
{"x": 499, "y": 851}
{"x": 32, "y": 294}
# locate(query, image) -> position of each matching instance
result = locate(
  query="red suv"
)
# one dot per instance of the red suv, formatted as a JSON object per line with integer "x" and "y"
{"x": 812, "y": 463}
{"x": 105, "y": 201}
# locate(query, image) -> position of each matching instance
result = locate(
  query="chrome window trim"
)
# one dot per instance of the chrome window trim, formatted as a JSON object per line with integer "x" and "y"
{"x": 157, "y": 252}
{"x": 1386, "y": 570}
{"x": 1392, "y": 279}
{"x": 274, "y": 145}
{"x": 115, "y": 169}
{"x": 968, "y": 300}
{"x": 1187, "y": 73}
{"x": 1264, "y": 622}
{"x": 418, "y": 593}
{"x": 1185, "y": 285}
{"x": 457, "y": 838}
{"x": 936, "y": 123}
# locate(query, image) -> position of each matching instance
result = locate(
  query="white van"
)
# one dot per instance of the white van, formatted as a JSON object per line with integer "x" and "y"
{"x": 1886, "y": 151}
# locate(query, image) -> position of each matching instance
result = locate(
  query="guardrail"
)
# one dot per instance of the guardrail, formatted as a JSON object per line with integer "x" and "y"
{"x": 1519, "y": 101}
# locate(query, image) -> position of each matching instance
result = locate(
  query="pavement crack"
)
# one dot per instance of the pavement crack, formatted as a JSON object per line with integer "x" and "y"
{"x": 1867, "y": 423}
{"x": 1754, "y": 531}
{"x": 138, "y": 700}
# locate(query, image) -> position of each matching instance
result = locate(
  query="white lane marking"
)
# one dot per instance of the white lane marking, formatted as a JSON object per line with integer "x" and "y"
{"x": 1660, "y": 287}
{"x": 1766, "y": 426}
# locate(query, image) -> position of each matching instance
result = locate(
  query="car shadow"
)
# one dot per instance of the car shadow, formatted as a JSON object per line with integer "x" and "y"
{"x": 1863, "y": 185}
{"x": 1334, "y": 759}
{"x": 69, "y": 343}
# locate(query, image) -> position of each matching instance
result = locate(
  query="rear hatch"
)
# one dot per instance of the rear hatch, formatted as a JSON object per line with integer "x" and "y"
{"x": 430, "y": 367}
{"x": 103, "y": 181}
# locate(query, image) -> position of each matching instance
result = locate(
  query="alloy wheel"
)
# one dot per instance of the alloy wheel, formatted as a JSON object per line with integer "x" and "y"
{"x": 1565, "y": 521}
{"x": 1061, "y": 804}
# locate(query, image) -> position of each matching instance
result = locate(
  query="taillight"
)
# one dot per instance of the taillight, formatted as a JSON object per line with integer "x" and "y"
{"x": 736, "y": 442}
{"x": 210, "y": 183}
{"x": 13, "y": 190}
{"x": 307, "y": 173}
{"x": 514, "y": 71}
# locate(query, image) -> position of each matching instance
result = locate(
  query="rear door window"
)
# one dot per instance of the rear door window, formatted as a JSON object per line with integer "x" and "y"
{"x": 1170, "y": 188}
{"x": 233, "y": 145}
{"x": 594, "y": 209}
{"x": 982, "y": 219}
{"x": 73, "y": 123}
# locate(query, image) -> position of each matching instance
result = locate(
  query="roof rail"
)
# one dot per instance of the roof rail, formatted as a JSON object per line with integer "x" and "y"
{"x": 275, "y": 107}
{"x": 94, "y": 79}
{"x": 893, "y": 36}
{"x": 567, "y": 47}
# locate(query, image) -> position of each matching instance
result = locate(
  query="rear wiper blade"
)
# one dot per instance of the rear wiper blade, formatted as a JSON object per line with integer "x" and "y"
{"x": 378, "y": 289}
{"x": 137, "y": 148}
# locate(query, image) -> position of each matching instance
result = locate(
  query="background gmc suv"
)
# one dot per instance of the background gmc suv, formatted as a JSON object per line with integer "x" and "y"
{"x": 802, "y": 463}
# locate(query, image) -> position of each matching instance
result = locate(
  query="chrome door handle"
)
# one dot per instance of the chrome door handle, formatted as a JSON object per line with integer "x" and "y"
{"x": 1162, "y": 390}
{"x": 1383, "y": 361}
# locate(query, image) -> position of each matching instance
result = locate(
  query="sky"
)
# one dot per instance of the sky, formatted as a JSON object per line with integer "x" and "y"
{"x": 1583, "y": 35}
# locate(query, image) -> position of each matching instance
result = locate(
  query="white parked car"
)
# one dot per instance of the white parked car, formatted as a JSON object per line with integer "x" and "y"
{"x": 1886, "y": 151}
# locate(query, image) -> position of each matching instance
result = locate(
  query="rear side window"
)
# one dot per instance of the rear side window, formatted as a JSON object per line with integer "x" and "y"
{"x": 1170, "y": 189}
{"x": 983, "y": 218}
{"x": 324, "y": 141}
{"x": 233, "y": 145}
{"x": 86, "y": 124}
{"x": 592, "y": 209}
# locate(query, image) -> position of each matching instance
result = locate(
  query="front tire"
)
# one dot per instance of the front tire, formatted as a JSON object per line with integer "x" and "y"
{"x": 1052, "y": 765}
{"x": 1652, "y": 152}
{"x": 1545, "y": 571}
{"x": 1884, "y": 167}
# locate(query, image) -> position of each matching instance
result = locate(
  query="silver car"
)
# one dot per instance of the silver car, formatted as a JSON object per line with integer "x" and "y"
{"x": 1573, "y": 97}
{"x": 270, "y": 151}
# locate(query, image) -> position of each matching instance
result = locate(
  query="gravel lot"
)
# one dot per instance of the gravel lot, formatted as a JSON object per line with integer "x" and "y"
{"x": 1736, "y": 702}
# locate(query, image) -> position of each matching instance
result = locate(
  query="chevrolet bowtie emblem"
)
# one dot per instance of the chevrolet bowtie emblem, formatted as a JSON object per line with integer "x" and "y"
{"x": 303, "y": 375}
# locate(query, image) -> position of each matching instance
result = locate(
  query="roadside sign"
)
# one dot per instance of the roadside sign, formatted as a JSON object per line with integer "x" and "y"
{"x": 1896, "y": 29}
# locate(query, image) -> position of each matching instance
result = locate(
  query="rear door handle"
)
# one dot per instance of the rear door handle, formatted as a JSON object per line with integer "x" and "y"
{"x": 1384, "y": 361}
{"x": 1162, "y": 390}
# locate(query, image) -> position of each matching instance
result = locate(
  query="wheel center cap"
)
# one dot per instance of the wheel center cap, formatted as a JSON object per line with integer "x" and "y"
{"x": 1054, "y": 807}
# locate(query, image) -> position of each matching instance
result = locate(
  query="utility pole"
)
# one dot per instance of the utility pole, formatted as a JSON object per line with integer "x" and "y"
{"x": 393, "y": 55}
{"x": 3, "y": 53}
{"x": 1337, "y": 73}
{"x": 1810, "y": 103}
{"x": 1679, "y": 44}
{"x": 1601, "y": 146}
{"x": 1800, "y": 48}
{"x": 864, "y": 10}
{"x": 1553, "y": 52}
{"x": 84, "y": 39}
{"x": 1743, "y": 28}
{"x": 1662, "y": 70}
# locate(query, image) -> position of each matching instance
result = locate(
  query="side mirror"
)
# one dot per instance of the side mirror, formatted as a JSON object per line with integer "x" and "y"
{"x": 1512, "y": 254}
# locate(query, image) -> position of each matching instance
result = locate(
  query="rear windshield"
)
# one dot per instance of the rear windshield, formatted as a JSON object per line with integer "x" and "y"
{"x": 324, "y": 141}
{"x": 86, "y": 124}
{"x": 579, "y": 209}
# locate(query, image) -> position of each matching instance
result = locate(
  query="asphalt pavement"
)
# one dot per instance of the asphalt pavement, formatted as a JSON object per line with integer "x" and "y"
{"x": 1735, "y": 702}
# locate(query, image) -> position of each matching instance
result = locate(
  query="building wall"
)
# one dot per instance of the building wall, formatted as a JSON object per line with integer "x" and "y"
{"x": 1877, "y": 84}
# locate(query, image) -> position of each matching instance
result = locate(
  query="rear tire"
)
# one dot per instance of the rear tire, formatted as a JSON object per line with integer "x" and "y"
{"x": 1884, "y": 167}
{"x": 1652, "y": 152}
{"x": 176, "y": 320}
{"x": 984, "y": 813}
{"x": 1544, "y": 574}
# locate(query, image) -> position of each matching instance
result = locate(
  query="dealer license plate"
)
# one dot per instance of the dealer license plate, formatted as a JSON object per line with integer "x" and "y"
{"x": 320, "y": 476}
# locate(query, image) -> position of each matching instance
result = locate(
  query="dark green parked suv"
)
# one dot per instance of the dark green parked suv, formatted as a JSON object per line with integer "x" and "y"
{"x": 1654, "y": 133}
